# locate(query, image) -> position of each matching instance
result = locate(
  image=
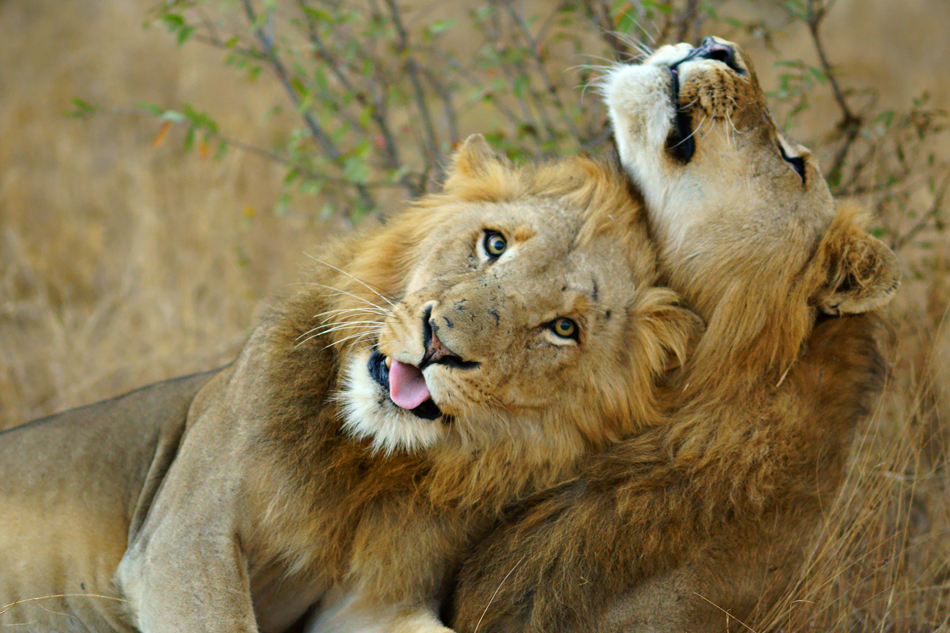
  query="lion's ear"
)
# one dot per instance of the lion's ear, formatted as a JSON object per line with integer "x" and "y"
{"x": 863, "y": 272}
{"x": 473, "y": 157}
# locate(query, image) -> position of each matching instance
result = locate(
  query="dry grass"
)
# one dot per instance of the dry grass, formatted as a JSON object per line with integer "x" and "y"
{"x": 121, "y": 264}
{"x": 883, "y": 560}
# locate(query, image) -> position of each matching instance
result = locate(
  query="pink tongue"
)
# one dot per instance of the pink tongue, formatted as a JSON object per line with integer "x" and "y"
{"x": 407, "y": 387}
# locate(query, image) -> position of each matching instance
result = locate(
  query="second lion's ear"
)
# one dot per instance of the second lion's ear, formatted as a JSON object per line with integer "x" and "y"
{"x": 473, "y": 157}
{"x": 863, "y": 273}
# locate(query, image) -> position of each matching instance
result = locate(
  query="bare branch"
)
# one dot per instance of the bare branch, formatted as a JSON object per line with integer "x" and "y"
{"x": 542, "y": 70}
{"x": 402, "y": 46}
{"x": 600, "y": 14}
{"x": 392, "y": 153}
{"x": 688, "y": 20}
{"x": 927, "y": 217}
{"x": 850, "y": 124}
{"x": 316, "y": 131}
{"x": 445, "y": 94}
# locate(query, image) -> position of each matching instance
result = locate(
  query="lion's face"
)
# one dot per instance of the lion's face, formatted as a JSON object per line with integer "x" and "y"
{"x": 695, "y": 133}
{"x": 521, "y": 315}
{"x": 746, "y": 228}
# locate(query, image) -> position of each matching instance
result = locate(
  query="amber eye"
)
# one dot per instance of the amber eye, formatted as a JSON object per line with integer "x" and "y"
{"x": 495, "y": 244}
{"x": 565, "y": 328}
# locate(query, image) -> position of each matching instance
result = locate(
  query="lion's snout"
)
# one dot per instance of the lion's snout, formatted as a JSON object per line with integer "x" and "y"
{"x": 437, "y": 352}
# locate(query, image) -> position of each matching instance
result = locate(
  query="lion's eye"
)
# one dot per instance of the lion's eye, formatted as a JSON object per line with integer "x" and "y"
{"x": 495, "y": 244}
{"x": 797, "y": 162}
{"x": 565, "y": 328}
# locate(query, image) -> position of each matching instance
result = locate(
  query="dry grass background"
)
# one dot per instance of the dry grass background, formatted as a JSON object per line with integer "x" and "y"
{"x": 123, "y": 263}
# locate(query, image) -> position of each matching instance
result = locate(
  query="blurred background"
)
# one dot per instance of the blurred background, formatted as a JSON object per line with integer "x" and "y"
{"x": 164, "y": 167}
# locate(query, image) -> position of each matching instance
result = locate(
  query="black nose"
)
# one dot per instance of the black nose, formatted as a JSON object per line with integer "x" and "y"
{"x": 436, "y": 352}
{"x": 717, "y": 51}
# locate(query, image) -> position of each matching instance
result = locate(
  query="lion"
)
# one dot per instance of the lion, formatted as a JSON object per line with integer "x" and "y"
{"x": 432, "y": 370}
{"x": 694, "y": 524}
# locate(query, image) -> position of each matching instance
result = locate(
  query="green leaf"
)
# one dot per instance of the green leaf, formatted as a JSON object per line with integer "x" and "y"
{"x": 184, "y": 34}
{"x": 318, "y": 15}
{"x": 189, "y": 139}
{"x": 151, "y": 108}
{"x": 173, "y": 21}
{"x": 355, "y": 169}
{"x": 440, "y": 26}
{"x": 83, "y": 109}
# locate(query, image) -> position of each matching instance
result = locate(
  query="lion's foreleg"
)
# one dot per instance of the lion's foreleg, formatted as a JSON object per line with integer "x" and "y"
{"x": 199, "y": 586}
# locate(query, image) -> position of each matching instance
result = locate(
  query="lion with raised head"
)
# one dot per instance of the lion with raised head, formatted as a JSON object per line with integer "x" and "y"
{"x": 433, "y": 370}
{"x": 690, "y": 525}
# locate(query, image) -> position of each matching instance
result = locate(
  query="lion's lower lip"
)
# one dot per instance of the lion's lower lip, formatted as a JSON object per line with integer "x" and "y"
{"x": 680, "y": 143}
{"x": 378, "y": 369}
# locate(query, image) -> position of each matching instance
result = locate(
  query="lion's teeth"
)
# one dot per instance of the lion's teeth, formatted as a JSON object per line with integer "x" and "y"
{"x": 389, "y": 362}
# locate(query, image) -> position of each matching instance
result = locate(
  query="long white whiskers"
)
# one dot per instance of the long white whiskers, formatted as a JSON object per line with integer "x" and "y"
{"x": 356, "y": 279}
{"x": 350, "y": 338}
{"x": 330, "y": 313}
{"x": 335, "y": 327}
{"x": 344, "y": 292}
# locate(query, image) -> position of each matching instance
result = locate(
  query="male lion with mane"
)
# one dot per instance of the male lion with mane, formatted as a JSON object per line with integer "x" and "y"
{"x": 696, "y": 522}
{"x": 431, "y": 371}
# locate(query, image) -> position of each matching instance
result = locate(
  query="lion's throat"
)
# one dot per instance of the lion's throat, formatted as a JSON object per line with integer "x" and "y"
{"x": 407, "y": 386}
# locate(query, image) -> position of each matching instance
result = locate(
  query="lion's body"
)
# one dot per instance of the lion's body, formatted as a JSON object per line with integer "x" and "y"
{"x": 72, "y": 486}
{"x": 703, "y": 519}
{"x": 233, "y": 501}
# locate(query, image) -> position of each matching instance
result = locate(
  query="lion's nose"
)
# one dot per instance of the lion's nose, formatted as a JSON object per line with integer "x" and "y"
{"x": 717, "y": 51}
{"x": 437, "y": 352}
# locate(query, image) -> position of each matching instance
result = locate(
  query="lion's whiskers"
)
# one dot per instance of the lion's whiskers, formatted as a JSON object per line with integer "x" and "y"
{"x": 354, "y": 278}
{"x": 371, "y": 332}
{"x": 693, "y": 133}
{"x": 321, "y": 330}
{"x": 329, "y": 314}
{"x": 344, "y": 292}
{"x": 626, "y": 38}
{"x": 355, "y": 337}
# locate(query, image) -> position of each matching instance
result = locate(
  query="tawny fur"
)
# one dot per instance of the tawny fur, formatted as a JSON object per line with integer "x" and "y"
{"x": 231, "y": 501}
{"x": 692, "y": 524}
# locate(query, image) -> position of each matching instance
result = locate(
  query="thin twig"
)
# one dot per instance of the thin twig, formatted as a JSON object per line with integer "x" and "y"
{"x": 925, "y": 219}
{"x": 445, "y": 94}
{"x": 402, "y": 47}
{"x": 316, "y": 131}
{"x": 538, "y": 121}
{"x": 850, "y": 124}
{"x": 533, "y": 48}
{"x": 607, "y": 30}
{"x": 466, "y": 74}
{"x": 392, "y": 152}
{"x": 688, "y": 20}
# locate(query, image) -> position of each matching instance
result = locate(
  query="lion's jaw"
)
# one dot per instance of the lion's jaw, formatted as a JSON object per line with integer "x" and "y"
{"x": 736, "y": 187}
{"x": 550, "y": 344}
